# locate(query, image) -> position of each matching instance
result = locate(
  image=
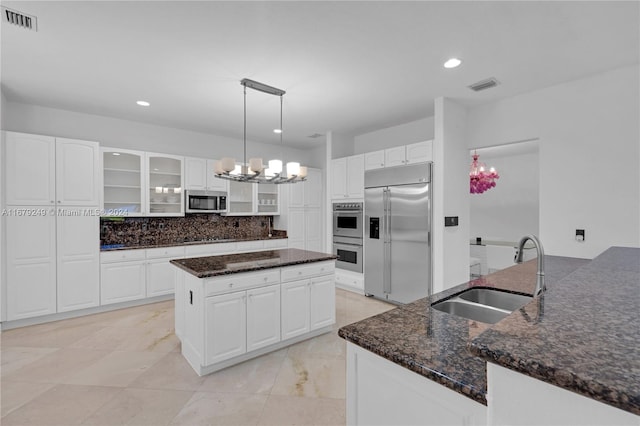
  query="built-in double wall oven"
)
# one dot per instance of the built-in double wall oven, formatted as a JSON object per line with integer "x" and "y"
{"x": 347, "y": 236}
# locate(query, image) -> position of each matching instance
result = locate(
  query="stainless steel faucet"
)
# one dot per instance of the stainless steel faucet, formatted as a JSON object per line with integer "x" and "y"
{"x": 540, "y": 287}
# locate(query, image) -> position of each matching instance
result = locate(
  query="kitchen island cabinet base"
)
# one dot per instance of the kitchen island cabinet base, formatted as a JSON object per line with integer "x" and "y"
{"x": 380, "y": 392}
{"x": 193, "y": 358}
{"x": 516, "y": 399}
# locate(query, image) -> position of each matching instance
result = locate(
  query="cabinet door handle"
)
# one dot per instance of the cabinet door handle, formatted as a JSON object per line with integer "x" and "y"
{"x": 51, "y": 201}
{"x": 190, "y": 297}
{"x": 265, "y": 279}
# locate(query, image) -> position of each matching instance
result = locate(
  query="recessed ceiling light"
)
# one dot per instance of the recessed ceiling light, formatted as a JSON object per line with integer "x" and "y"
{"x": 452, "y": 63}
{"x": 143, "y": 103}
{"x": 278, "y": 131}
{"x": 115, "y": 153}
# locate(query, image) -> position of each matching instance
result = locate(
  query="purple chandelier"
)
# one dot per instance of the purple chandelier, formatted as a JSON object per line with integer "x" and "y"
{"x": 479, "y": 179}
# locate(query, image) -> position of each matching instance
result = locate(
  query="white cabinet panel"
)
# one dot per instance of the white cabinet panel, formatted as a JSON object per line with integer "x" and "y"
{"x": 395, "y": 156}
{"x": 30, "y": 169}
{"x": 263, "y": 317}
{"x": 313, "y": 225}
{"x": 121, "y": 282}
{"x": 323, "y": 302}
{"x": 374, "y": 160}
{"x": 225, "y": 327}
{"x": 215, "y": 183}
{"x": 195, "y": 173}
{"x": 313, "y": 188}
{"x": 295, "y": 231}
{"x": 297, "y": 192}
{"x": 355, "y": 176}
{"x": 339, "y": 178}
{"x": 420, "y": 152}
{"x": 78, "y": 262}
{"x": 161, "y": 277}
{"x": 77, "y": 177}
{"x": 31, "y": 266}
{"x": 295, "y": 308}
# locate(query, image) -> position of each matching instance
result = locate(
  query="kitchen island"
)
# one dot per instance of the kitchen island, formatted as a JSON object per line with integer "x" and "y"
{"x": 578, "y": 341}
{"x": 235, "y": 307}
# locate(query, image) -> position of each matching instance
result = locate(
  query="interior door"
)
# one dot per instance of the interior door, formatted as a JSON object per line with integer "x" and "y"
{"x": 374, "y": 238}
{"x": 409, "y": 226}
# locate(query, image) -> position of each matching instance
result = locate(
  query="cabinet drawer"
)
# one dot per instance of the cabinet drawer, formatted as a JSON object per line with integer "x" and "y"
{"x": 250, "y": 245}
{"x": 121, "y": 256}
{"x": 349, "y": 280}
{"x": 292, "y": 273}
{"x": 273, "y": 244}
{"x": 162, "y": 252}
{"x": 235, "y": 282}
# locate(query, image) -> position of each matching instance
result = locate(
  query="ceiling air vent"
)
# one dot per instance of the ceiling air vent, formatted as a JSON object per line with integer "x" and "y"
{"x": 484, "y": 84}
{"x": 20, "y": 19}
{"x": 315, "y": 135}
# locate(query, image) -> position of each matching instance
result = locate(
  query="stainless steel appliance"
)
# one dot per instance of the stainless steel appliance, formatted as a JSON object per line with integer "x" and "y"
{"x": 347, "y": 236}
{"x": 349, "y": 252}
{"x": 347, "y": 220}
{"x": 205, "y": 202}
{"x": 397, "y": 242}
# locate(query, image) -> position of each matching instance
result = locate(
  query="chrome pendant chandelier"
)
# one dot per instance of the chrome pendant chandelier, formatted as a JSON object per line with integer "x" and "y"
{"x": 254, "y": 170}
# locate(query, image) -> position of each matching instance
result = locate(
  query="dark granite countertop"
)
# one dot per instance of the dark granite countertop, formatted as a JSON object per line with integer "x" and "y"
{"x": 211, "y": 266}
{"x": 113, "y": 247}
{"x": 582, "y": 334}
{"x": 434, "y": 343}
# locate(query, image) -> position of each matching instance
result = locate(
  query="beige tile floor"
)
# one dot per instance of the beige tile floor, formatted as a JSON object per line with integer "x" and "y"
{"x": 125, "y": 368}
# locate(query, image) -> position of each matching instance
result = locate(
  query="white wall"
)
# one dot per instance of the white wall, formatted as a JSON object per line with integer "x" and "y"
{"x": 589, "y": 135}
{"x": 120, "y": 133}
{"x": 511, "y": 209}
{"x": 403, "y": 134}
{"x": 450, "y": 195}
{"x": 341, "y": 145}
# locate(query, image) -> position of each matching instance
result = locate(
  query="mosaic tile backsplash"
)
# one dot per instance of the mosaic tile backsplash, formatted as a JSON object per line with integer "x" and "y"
{"x": 177, "y": 230}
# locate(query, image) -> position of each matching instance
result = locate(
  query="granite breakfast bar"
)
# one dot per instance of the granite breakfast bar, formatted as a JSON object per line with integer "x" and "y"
{"x": 235, "y": 307}
{"x": 578, "y": 343}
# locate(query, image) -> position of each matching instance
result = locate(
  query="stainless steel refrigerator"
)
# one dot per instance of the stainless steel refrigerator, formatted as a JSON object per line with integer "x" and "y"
{"x": 397, "y": 228}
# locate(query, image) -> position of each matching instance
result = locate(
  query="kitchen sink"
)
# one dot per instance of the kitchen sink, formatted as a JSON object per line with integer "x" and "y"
{"x": 482, "y": 304}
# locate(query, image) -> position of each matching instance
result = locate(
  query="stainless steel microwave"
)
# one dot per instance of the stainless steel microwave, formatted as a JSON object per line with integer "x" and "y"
{"x": 205, "y": 202}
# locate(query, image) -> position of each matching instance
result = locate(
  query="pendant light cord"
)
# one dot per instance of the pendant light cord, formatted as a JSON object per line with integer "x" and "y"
{"x": 281, "y": 130}
{"x": 245, "y": 125}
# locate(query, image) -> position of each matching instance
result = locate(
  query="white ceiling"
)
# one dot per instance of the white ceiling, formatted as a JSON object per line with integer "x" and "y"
{"x": 351, "y": 67}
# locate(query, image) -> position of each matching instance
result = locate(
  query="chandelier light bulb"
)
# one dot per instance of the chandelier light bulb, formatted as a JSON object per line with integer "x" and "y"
{"x": 228, "y": 164}
{"x": 255, "y": 165}
{"x": 293, "y": 169}
{"x": 275, "y": 166}
{"x": 217, "y": 167}
{"x": 303, "y": 172}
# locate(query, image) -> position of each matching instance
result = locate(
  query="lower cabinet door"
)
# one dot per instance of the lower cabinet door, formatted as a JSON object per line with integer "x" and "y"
{"x": 225, "y": 327}
{"x": 295, "y": 308}
{"x": 122, "y": 282}
{"x": 323, "y": 302}
{"x": 263, "y": 317}
{"x": 161, "y": 277}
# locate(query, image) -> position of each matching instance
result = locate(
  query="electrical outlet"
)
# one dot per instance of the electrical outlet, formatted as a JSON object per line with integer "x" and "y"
{"x": 144, "y": 227}
{"x": 236, "y": 224}
{"x": 161, "y": 226}
{"x": 580, "y": 235}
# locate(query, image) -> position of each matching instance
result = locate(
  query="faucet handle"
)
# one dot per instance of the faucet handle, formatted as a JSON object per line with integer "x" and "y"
{"x": 515, "y": 258}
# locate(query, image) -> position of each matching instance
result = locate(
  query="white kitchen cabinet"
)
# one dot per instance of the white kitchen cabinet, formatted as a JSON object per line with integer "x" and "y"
{"x": 313, "y": 229}
{"x": 516, "y": 399}
{"x": 374, "y": 160}
{"x": 307, "y": 193}
{"x": 123, "y": 182}
{"x": 247, "y": 199}
{"x": 44, "y": 171}
{"x": 77, "y": 176}
{"x": 199, "y": 175}
{"x": 161, "y": 276}
{"x": 408, "y": 398}
{"x": 240, "y": 199}
{"x": 263, "y": 317}
{"x": 225, "y": 326}
{"x": 322, "y": 302}
{"x": 122, "y": 276}
{"x": 304, "y": 216}
{"x": 339, "y": 178}
{"x": 30, "y": 169}
{"x": 295, "y": 308}
{"x": 165, "y": 184}
{"x": 78, "y": 262}
{"x": 31, "y": 266}
{"x": 419, "y": 152}
{"x": 347, "y": 177}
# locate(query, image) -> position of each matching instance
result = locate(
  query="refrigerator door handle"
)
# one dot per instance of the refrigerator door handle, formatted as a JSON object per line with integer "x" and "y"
{"x": 387, "y": 241}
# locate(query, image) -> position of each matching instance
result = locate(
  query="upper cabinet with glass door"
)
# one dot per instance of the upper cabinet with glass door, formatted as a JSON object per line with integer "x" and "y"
{"x": 268, "y": 199}
{"x": 123, "y": 182}
{"x": 165, "y": 178}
